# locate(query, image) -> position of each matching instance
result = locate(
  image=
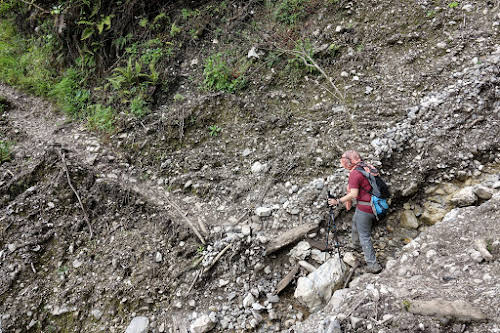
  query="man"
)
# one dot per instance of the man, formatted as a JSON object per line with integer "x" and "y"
{"x": 359, "y": 188}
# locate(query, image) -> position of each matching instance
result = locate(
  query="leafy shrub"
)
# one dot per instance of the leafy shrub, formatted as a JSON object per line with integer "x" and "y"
{"x": 138, "y": 107}
{"x": 290, "y": 11}
{"x": 4, "y": 151}
{"x": 219, "y": 77}
{"x": 100, "y": 118}
{"x": 26, "y": 63}
{"x": 69, "y": 95}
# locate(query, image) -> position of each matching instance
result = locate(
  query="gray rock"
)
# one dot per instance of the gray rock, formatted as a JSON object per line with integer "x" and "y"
{"x": 483, "y": 192}
{"x": 202, "y": 324}
{"x": 460, "y": 310}
{"x": 356, "y": 322}
{"x": 138, "y": 325}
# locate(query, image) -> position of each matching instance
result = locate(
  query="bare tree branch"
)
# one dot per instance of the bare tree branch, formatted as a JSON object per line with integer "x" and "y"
{"x": 36, "y": 6}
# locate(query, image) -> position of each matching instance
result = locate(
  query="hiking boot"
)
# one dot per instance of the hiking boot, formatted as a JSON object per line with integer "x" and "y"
{"x": 354, "y": 247}
{"x": 374, "y": 268}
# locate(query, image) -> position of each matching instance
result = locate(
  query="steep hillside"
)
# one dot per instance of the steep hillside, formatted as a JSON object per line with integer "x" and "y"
{"x": 173, "y": 144}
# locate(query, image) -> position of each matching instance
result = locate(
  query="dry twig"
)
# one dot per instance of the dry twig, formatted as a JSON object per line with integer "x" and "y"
{"x": 65, "y": 167}
{"x": 36, "y": 6}
{"x": 196, "y": 232}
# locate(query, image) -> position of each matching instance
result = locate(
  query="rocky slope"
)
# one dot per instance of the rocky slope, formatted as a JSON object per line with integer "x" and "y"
{"x": 171, "y": 228}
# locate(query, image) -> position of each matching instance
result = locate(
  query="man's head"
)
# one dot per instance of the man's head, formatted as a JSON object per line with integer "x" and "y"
{"x": 349, "y": 159}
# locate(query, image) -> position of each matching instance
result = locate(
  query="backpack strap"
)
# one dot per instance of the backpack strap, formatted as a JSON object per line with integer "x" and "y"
{"x": 366, "y": 175}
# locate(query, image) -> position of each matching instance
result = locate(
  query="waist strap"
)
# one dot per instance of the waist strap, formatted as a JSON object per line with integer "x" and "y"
{"x": 365, "y": 203}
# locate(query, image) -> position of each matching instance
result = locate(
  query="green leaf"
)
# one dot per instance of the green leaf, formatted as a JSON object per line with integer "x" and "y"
{"x": 87, "y": 33}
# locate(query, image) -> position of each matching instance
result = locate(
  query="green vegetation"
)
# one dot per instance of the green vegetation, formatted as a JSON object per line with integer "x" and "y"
{"x": 290, "y": 11}
{"x": 453, "y": 4}
{"x": 101, "y": 118}
{"x": 68, "y": 93}
{"x": 178, "y": 97}
{"x": 4, "y": 151}
{"x": 26, "y": 63}
{"x": 219, "y": 77}
{"x": 174, "y": 30}
{"x": 214, "y": 130}
{"x": 406, "y": 304}
{"x": 138, "y": 107}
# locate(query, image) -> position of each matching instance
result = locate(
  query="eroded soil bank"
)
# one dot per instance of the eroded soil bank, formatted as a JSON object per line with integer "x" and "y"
{"x": 170, "y": 226}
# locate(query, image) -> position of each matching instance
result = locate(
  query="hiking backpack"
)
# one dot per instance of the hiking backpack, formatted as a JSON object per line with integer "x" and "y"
{"x": 379, "y": 192}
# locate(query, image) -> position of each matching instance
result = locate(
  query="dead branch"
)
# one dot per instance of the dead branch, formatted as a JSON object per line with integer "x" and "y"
{"x": 351, "y": 273}
{"x": 221, "y": 253}
{"x": 36, "y": 6}
{"x": 196, "y": 232}
{"x": 301, "y": 53}
{"x": 65, "y": 167}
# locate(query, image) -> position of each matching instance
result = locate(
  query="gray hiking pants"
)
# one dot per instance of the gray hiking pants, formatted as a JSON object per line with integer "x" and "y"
{"x": 361, "y": 230}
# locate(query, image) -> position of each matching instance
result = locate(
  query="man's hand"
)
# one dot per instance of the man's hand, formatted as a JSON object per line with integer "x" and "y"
{"x": 333, "y": 202}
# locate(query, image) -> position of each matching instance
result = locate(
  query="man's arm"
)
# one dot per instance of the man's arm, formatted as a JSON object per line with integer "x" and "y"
{"x": 353, "y": 194}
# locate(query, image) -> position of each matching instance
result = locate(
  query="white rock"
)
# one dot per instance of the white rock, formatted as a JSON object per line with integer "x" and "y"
{"x": 246, "y": 230}
{"x": 96, "y": 313}
{"x": 307, "y": 266}
{"x": 158, "y": 257}
{"x": 467, "y": 7}
{"x": 350, "y": 259}
{"x": 253, "y": 53}
{"x": 464, "y": 197}
{"x": 258, "y": 307}
{"x": 248, "y": 300}
{"x": 263, "y": 211}
{"x": 258, "y": 167}
{"x": 301, "y": 251}
{"x": 138, "y": 325}
{"x": 319, "y": 256}
{"x": 246, "y": 152}
{"x": 202, "y": 324}
{"x": 316, "y": 288}
{"x": 223, "y": 283}
{"x": 441, "y": 45}
{"x": 77, "y": 263}
{"x": 476, "y": 256}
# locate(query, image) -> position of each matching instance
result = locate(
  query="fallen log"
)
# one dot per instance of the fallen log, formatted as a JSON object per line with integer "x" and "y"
{"x": 291, "y": 236}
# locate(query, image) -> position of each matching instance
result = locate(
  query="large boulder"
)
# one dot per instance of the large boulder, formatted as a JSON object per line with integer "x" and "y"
{"x": 316, "y": 289}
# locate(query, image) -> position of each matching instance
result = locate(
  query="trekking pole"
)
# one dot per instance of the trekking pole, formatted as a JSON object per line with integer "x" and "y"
{"x": 332, "y": 225}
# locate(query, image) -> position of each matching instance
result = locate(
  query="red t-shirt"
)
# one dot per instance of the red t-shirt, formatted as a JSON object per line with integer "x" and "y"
{"x": 357, "y": 180}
